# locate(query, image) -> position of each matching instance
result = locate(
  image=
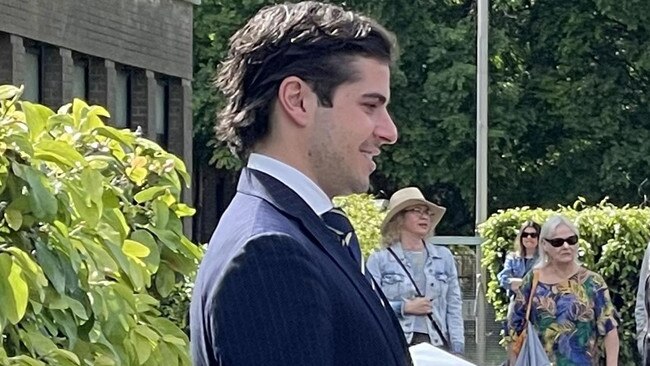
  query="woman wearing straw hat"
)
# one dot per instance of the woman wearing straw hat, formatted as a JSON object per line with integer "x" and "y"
{"x": 419, "y": 279}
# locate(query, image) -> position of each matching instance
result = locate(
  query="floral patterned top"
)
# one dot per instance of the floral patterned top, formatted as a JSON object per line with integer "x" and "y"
{"x": 571, "y": 317}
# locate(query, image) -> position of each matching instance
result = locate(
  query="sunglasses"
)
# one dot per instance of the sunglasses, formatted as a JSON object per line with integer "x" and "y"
{"x": 558, "y": 242}
{"x": 529, "y": 235}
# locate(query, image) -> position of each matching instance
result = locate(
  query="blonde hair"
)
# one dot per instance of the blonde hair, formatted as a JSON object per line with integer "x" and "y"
{"x": 549, "y": 228}
{"x": 392, "y": 231}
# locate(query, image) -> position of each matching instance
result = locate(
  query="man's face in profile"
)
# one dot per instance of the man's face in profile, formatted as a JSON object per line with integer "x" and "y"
{"x": 349, "y": 135}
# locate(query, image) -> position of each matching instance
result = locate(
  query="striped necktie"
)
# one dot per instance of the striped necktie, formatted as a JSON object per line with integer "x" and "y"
{"x": 338, "y": 222}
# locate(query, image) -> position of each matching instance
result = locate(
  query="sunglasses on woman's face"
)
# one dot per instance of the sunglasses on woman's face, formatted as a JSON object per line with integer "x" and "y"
{"x": 558, "y": 242}
{"x": 529, "y": 235}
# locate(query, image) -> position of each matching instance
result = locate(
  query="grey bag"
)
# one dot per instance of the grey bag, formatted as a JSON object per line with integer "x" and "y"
{"x": 532, "y": 351}
{"x": 646, "y": 340}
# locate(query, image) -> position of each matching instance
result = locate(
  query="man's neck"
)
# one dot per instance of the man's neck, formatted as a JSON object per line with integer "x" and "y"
{"x": 291, "y": 158}
{"x": 293, "y": 178}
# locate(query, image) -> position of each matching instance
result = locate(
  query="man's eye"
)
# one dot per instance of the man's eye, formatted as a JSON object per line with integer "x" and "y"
{"x": 370, "y": 105}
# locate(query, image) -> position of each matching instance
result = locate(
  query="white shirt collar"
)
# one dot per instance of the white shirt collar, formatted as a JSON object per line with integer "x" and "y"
{"x": 312, "y": 194}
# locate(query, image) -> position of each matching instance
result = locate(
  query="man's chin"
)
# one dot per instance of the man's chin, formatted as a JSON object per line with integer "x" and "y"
{"x": 360, "y": 186}
{"x": 363, "y": 186}
{"x": 351, "y": 186}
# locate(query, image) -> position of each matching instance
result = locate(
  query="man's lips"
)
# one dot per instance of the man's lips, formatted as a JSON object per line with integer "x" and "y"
{"x": 370, "y": 153}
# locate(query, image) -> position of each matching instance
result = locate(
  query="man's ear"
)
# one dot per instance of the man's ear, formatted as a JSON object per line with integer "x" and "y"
{"x": 297, "y": 100}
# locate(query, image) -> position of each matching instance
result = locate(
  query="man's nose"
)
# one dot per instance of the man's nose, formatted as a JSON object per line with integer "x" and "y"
{"x": 386, "y": 129}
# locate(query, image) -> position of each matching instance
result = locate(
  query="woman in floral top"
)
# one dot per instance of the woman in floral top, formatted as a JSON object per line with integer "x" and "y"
{"x": 571, "y": 307}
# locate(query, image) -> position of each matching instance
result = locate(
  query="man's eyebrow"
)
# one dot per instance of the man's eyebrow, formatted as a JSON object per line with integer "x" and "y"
{"x": 380, "y": 97}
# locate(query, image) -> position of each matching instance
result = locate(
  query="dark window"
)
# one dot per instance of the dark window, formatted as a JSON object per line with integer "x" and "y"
{"x": 33, "y": 72}
{"x": 123, "y": 106}
{"x": 80, "y": 78}
{"x": 161, "y": 111}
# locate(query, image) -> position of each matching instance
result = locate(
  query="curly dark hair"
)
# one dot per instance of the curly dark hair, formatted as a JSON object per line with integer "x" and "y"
{"x": 314, "y": 41}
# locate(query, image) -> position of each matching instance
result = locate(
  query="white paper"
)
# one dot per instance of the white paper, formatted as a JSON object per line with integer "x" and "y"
{"x": 425, "y": 354}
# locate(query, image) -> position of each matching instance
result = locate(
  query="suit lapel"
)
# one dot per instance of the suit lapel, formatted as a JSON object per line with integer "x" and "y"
{"x": 264, "y": 186}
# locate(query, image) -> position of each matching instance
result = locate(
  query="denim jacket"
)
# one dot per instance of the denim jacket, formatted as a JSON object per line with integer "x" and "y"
{"x": 514, "y": 266}
{"x": 442, "y": 287}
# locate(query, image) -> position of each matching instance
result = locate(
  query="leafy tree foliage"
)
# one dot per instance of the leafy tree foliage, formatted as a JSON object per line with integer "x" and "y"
{"x": 90, "y": 239}
{"x": 575, "y": 75}
{"x": 568, "y": 98}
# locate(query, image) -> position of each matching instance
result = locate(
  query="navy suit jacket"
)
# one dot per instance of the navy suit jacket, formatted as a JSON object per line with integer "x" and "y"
{"x": 277, "y": 288}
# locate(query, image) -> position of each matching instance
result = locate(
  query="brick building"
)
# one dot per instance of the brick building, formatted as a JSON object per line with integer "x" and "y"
{"x": 132, "y": 56}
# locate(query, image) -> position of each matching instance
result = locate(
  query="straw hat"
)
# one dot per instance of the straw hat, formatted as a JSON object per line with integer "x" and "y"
{"x": 407, "y": 197}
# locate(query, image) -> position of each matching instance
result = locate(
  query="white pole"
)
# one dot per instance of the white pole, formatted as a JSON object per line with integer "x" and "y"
{"x": 481, "y": 165}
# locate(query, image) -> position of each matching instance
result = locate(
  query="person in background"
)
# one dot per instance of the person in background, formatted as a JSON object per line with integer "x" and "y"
{"x": 641, "y": 309}
{"x": 518, "y": 263}
{"x": 419, "y": 279}
{"x": 521, "y": 259}
{"x": 571, "y": 308}
{"x": 306, "y": 89}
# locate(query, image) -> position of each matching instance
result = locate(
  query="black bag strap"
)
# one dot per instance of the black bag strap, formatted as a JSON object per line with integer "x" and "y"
{"x": 445, "y": 342}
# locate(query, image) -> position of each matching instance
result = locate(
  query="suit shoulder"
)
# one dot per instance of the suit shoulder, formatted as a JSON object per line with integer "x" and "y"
{"x": 247, "y": 217}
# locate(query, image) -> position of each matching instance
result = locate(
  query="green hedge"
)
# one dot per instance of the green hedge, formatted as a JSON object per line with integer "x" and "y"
{"x": 90, "y": 239}
{"x": 612, "y": 243}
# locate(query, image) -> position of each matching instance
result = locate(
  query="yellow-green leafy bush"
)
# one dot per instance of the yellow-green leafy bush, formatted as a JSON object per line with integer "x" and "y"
{"x": 366, "y": 216}
{"x": 612, "y": 243}
{"x": 90, "y": 239}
